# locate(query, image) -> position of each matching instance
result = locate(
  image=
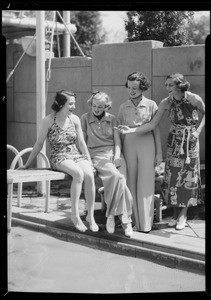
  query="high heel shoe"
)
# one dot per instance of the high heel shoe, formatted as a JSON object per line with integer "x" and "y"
{"x": 110, "y": 224}
{"x": 128, "y": 229}
{"x": 79, "y": 225}
{"x": 93, "y": 227}
{"x": 181, "y": 224}
{"x": 172, "y": 222}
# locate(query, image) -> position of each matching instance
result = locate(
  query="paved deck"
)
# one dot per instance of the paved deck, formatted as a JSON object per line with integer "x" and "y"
{"x": 183, "y": 249}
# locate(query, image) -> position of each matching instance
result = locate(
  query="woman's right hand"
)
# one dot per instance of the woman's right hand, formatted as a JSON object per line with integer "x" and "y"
{"x": 125, "y": 129}
{"x": 117, "y": 162}
{"x": 93, "y": 169}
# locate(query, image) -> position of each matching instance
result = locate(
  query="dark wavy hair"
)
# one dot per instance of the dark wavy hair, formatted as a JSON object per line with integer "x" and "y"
{"x": 144, "y": 83}
{"x": 180, "y": 81}
{"x": 60, "y": 99}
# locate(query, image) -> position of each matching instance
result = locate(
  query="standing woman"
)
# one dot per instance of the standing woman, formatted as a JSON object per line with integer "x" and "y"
{"x": 182, "y": 168}
{"x": 141, "y": 152}
{"x": 69, "y": 154}
{"x": 104, "y": 144}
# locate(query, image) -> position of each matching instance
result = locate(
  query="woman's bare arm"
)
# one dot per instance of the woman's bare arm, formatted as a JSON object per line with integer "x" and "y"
{"x": 39, "y": 143}
{"x": 147, "y": 126}
{"x": 80, "y": 136}
{"x": 199, "y": 104}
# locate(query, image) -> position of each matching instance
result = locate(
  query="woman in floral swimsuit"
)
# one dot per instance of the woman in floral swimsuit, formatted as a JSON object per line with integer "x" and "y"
{"x": 182, "y": 169}
{"x": 69, "y": 154}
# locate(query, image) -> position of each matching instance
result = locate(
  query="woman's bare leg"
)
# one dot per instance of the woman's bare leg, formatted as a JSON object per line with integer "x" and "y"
{"x": 73, "y": 169}
{"x": 89, "y": 191}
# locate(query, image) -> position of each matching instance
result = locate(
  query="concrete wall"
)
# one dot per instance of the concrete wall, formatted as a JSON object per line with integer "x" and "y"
{"x": 21, "y": 100}
{"x": 113, "y": 62}
{"x": 106, "y": 71}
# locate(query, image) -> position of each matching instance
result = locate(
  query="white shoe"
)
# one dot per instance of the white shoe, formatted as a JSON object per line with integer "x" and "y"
{"x": 181, "y": 224}
{"x": 128, "y": 229}
{"x": 172, "y": 223}
{"x": 110, "y": 224}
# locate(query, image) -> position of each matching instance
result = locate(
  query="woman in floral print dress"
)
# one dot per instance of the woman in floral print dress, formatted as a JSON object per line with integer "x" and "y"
{"x": 182, "y": 169}
{"x": 69, "y": 154}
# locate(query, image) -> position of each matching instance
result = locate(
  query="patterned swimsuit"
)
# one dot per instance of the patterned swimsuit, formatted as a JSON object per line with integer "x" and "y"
{"x": 63, "y": 144}
{"x": 182, "y": 170}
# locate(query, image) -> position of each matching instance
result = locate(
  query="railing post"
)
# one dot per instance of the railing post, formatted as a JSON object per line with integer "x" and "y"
{"x": 40, "y": 84}
{"x": 66, "y": 35}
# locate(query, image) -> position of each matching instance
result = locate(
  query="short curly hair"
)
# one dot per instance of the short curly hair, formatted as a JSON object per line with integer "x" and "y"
{"x": 99, "y": 95}
{"x": 144, "y": 83}
{"x": 180, "y": 81}
{"x": 60, "y": 99}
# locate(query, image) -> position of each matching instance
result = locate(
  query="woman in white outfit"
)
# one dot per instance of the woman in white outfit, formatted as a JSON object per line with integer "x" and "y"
{"x": 141, "y": 151}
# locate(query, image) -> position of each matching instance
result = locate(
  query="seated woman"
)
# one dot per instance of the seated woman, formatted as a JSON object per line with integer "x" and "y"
{"x": 104, "y": 145}
{"x": 69, "y": 154}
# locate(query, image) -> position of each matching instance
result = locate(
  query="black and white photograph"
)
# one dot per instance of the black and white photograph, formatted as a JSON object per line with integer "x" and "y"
{"x": 105, "y": 150}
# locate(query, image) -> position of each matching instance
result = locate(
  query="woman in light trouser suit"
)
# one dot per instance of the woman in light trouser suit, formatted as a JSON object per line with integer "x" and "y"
{"x": 104, "y": 144}
{"x": 141, "y": 152}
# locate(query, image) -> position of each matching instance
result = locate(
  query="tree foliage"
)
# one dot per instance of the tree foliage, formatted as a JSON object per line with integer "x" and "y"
{"x": 89, "y": 31}
{"x": 165, "y": 26}
{"x": 198, "y": 30}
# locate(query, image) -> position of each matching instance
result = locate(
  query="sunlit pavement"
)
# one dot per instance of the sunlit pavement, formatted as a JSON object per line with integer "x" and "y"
{"x": 183, "y": 249}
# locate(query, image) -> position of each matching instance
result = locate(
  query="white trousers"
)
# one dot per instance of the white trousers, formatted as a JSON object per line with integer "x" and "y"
{"x": 139, "y": 153}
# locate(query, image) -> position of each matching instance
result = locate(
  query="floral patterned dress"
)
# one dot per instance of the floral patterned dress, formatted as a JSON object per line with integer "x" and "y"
{"x": 63, "y": 144}
{"x": 182, "y": 182}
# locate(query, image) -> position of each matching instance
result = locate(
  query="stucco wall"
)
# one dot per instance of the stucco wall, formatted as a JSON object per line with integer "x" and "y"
{"x": 106, "y": 71}
{"x": 21, "y": 100}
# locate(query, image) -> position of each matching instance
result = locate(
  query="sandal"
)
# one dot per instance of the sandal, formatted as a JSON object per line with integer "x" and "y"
{"x": 128, "y": 229}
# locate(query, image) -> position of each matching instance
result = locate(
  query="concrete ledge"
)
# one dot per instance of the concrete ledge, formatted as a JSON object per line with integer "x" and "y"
{"x": 193, "y": 249}
{"x": 106, "y": 244}
{"x": 71, "y": 62}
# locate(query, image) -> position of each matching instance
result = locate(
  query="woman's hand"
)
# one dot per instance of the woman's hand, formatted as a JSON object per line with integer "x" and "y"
{"x": 117, "y": 162}
{"x": 158, "y": 159}
{"x": 125, "y": 129}
{"x": 195, "y": 135}
{"x": 94, "y": 171}
{"x": 93, "y": 168}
